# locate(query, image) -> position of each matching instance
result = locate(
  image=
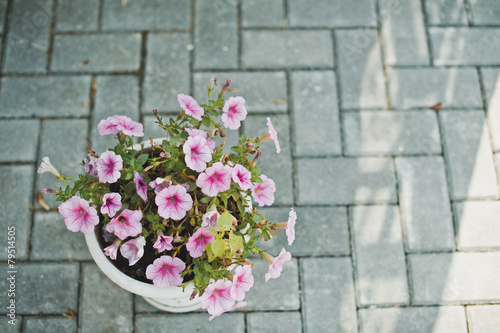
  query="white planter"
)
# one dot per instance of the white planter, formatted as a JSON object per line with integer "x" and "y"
{"x": 171, "y": 299}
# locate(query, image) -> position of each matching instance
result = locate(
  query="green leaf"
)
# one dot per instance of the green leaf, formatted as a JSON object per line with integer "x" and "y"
{"x": 205, "y": 199}
{"x": 165, "y": 145}
{"x": 205, "y": 121}
{"x": 142, "y": 159}
{"x": 210, "y": 253}
{"x": 225, "y": 221}
{"x": 175, "y": 141}
{"x": 129, "y": 175}
{"x": 207, "y": 266}
{"x": 218, "y": 247}
{"x": 235, "y": 243}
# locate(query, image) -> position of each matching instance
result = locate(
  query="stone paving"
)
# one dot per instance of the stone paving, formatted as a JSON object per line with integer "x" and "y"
{"x": 398, "y": 203}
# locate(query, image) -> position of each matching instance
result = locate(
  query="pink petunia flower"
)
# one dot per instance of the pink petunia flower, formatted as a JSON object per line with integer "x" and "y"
{"x": 198, "y": 241}
{"x": 90, "y": 165}
{"x": 197, "y": 153}
{"x": 108, "y": 126}
{"x": 111, "y": 204}
{"x": 163, "y": 243}
{"x": 235, "y": 306}
{"x": 159, "y": 184}
{"x": 112, "y": 250}
{"x": 198, "y": 132}
{"x": 234, "y": 112}
{"x": 173, "y": 202}
{"x": 290, "y": 229}
{"x": 272, "y": 135}
{"x": 128, "y": 127}
{"x": 127, "y": 224}
{"x": 217, "y": 298}
{"x": 215, "y": 179}
{"x": 108, "y": 167}
{"x": 166, "y": 271}
{"x": 140, "y": 186}
{"x": 276, "y": 263}
{"x": 117, "y": 123}
{"x": 209, "y": 219}
{"x": 242, "y": 177}
{"x": 263, "y": 193}
{"x": 190, "y": 106}
{"x": 46, "y": 166}
{"x": 133, "y": 250}
{"x": 79, "y": 215}
{"x": 242, "y": 282}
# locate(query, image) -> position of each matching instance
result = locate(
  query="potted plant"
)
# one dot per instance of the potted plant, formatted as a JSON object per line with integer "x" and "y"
{"x": 171, "y": 219}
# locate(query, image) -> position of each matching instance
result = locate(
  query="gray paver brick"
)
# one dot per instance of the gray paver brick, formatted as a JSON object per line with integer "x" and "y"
{"x": 274, "y": 322}
{"x": 286, "y": 49}
{"x": 44, "y": 96}
{"x": 485, "y": 12}
{"x": 43, "y": 288}
{"x": 16, "y": 328}
{"x": 351, "y": 180}
{"x": 167, "y": 71}
{"x": 483, "y": 318}
{"x": 150, "y": 15}
{"x": 104, "y": 306}
{"x": 387, "y": 132}
{"x": 424, "y": 87}
{"x": 179, "y": 323}
{"x": 262, "y": 13}
{"x": 88, "y": 53}
{"x": 216, "y": 40}
{"x": 491, "y": 84}
{"x": 22, "y": 136}
{"x": 77, "y": 15}
{"x": 478, "y": 224}
{"x": 3, "y": 14}
{"x": 360, "y": 69}
{"x": 28, "y": 36}
{"x": 465, "y": 46}
{"x": 15, "y": 206}
{"x": 379, "y": 255}
{"x": 114, "y": 95}
{"x": 425, "y": 204}
{"x": 51, "y": 239}
{"x": 468, "y": 155}
{"x": 278, "y": 167}
{"x": 446, "y": 12}
{"x": 331, "y": 235}
{"x": 455, "y": 277}
{"x": 328, "y": 294}
{"x": 276, "y": 294}
{"x": 315, "y": 110}
{"x": 331, "y": 13}
{"x": 50, "y": 324}
{"x": 403, "y": 33}
{"x": 64, "y": 142}
{"x": 414, "y": 320}
{"x": 262, "y": 91}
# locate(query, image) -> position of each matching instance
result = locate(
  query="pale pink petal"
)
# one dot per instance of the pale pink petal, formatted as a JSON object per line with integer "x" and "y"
{"x": 190, "y": 106}
{"x": 165, "y": 271}
{"x": 111, "y": 204}
{"x": 127, "y": 224}
{"x": 197, "y": 153}
{"x": 290, "y": 229}
{"x": 242, "y": 177}
{"x": 263, "y": 193}
{"x": 234, "y": 112}
{"x": 273, "y": 134}
{"x": 173, "y": 202}
{"x": 78, "y": 215}
{"x": 112, "y": 250}
{"x": 198, "y": 241}
{"x": 163, "y": 243}
{"x": 215, "y": 179}
{"x": 133, "y": 250}
{"x": 140, "y": 186}
{"x": 242, "y": 282}
{"x": 108, "y": 167}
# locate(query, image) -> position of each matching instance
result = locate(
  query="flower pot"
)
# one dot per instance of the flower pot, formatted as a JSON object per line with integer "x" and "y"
{"x": 171, "y": 299}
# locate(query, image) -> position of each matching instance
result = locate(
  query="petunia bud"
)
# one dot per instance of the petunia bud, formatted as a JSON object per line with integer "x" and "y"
{"x": 224, "y": 88}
